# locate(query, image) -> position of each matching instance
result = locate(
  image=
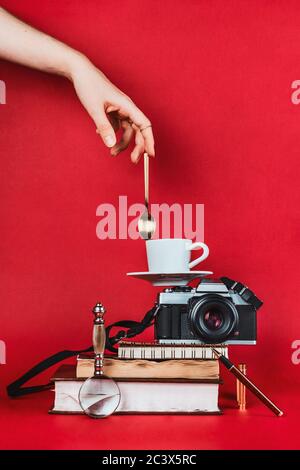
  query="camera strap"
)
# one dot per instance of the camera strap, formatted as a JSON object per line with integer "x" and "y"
{"x": 132, "y": 328}
{"x": 243, "y": 291}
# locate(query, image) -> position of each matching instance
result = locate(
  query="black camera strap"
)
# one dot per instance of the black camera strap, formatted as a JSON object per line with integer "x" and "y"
{"x": 132, "y": 328}
{"x": 243, "y": 291}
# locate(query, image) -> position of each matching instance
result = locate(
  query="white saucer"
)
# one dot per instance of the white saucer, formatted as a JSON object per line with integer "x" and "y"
{"x": 170, "y": 279}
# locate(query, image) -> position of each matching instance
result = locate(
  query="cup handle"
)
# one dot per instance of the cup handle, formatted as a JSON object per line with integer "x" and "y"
{"x": 204, "y": 255}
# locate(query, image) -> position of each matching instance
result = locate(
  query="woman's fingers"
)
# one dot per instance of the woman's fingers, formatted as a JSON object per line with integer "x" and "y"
{"x": 141, "y": 123}
{"x": 104, "y": 128}
{"x": 132, "y": 120}
{"x": 149, "y": 140}
{"x": 125, "y": 139}
{"x": 139, "y": 147}
{"x": 114, "y": 120}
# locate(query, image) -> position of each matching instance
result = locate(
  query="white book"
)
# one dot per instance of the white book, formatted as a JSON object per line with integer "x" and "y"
{"x": 199, "y": 397}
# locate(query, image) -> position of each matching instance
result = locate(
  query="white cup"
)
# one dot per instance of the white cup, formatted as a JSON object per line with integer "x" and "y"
{"x": 172, "y": 255}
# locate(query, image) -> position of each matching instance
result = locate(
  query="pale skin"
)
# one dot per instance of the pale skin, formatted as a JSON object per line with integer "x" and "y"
{"x": 109, "y": 107}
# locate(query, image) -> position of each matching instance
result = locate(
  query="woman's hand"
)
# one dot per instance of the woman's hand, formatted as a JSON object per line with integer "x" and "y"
{"x": 106, "y": 104}
{"x": 111, "y": 110}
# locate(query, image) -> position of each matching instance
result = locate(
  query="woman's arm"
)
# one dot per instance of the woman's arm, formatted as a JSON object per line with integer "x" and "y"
{"x": 106, "y": 104}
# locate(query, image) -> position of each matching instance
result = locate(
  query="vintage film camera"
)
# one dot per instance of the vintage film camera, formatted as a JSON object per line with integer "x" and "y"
{"x": 216, "y": 311}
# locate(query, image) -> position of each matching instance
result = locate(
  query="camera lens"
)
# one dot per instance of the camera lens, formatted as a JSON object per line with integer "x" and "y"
{"x": 212, "y": 318}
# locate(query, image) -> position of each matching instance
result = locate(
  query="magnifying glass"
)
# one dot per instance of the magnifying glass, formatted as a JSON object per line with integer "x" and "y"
{"x": 99, "y": 396}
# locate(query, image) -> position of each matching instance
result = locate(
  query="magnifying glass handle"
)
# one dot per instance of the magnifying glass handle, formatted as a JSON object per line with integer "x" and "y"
{"x": 99, "y": 338}
{"x": 99, "y": 396}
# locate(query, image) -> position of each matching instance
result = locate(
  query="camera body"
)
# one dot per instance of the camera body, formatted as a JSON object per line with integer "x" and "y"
{"x": 216, "y": 311}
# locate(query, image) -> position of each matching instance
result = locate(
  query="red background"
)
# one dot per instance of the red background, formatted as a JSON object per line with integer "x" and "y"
{"x": 215, "y": 79}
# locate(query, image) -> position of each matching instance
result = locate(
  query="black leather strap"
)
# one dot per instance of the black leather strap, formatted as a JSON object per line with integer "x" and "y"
{"x": 16, "y": 389}
{"x": 243, "y": 291}
{"x": 134, "y": 328}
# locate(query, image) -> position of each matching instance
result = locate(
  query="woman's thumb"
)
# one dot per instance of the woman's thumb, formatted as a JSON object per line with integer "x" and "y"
{"x": 105, "y": 129}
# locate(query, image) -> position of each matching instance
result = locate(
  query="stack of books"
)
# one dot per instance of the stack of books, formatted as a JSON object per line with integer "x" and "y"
{"x": 152, "y": 378}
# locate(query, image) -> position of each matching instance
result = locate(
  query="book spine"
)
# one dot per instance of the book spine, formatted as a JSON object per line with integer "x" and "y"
{"x": 168, "y": 352}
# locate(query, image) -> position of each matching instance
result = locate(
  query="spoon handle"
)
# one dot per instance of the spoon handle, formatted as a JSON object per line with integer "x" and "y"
{"x": 146, "y": 179}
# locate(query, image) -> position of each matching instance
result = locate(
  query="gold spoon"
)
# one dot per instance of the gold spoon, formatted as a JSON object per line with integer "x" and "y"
{"x": 146, "y": 223}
